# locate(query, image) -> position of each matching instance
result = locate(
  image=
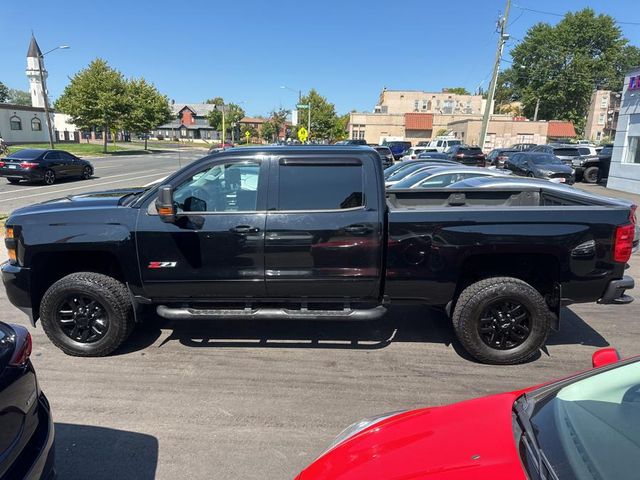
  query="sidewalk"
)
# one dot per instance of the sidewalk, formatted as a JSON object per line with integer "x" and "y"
{"x": 608, "y": 192}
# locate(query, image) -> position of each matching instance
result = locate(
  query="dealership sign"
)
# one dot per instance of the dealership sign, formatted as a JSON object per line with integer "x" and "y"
{"x": 634, "y": 83}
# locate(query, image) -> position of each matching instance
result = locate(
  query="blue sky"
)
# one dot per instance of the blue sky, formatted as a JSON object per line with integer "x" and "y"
{"x": 245, "y": 50}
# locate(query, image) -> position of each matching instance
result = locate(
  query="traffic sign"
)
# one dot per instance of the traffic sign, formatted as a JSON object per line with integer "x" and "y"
{"x": 302, "y": 105}
{"x": 302, "y": 134}
{"x": 247, "y": 134}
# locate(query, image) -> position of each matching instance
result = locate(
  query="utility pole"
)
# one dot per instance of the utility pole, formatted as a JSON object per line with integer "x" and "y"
{"x": 46, "y": 100}
{"x": 494, "y": 79}
{"x": 535, "y": 114}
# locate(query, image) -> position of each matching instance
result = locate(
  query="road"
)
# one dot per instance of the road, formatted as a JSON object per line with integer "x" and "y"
{"x": 259, "y": 400}
{"x": 118, "y": 171}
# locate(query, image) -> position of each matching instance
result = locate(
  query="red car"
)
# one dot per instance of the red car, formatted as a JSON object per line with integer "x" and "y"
{"x": 583, "y": 427}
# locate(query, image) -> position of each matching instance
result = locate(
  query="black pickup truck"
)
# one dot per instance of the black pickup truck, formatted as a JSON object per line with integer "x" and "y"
{"x": 309, "y": 233}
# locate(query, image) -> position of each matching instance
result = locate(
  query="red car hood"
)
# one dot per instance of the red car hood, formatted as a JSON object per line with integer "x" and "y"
{"x": 468, "y": 440}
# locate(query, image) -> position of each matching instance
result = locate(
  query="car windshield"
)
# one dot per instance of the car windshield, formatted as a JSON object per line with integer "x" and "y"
{"x": 26, "y": 154}
{"x": 566, "y": 152}
{"x": 402, "y": 173}
{"x": 383, "y": 151}
{"x": 545, "y": 160}
{"x": 590, "y": 429}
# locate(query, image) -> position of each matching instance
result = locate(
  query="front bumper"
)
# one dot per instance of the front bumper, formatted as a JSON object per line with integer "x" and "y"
{"x": 17, "y": 283}
{"x": 614, "y": 294}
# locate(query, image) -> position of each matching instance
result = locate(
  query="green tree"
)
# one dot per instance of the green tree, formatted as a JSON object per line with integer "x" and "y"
{"x": 561, "y": 65}
{"x": 341, "y": 130}
{"x": 268, "y": 131}
{"x": 4, "y": 93}
{"x": 232, "y": 114}
{"x": 147, "y": 107}
{"x": 215, "y": 101}
{"x": 456, "y": 90}
{"x": 19, "y": 97}
{"x": 96, "y": 96}
{"x": 324, "y": 119}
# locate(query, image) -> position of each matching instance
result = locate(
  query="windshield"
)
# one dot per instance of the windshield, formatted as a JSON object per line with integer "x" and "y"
{"x": 590, "y": 429}
{"x": 566, "y": 152}
{"x": 26, "y": 154}
{"x": 399, "y": 174}
{"x": 383, "y": 151}
{"x": 546, "y": 160}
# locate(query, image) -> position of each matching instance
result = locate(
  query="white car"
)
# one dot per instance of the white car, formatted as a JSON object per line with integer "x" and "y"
{"x": 413, "y": 152}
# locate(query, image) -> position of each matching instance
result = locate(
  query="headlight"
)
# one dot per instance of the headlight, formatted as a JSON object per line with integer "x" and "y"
{"x": 357, "y": 427}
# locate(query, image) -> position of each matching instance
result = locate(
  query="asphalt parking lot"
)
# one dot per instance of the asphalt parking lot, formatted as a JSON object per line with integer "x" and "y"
{"x": 118, "y": 171}
{"x": 260, "y": 400}
{"x": 250, "y": 400}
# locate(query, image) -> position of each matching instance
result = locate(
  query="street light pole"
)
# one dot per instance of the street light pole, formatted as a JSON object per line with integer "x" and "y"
{"x": 45, "y": 95}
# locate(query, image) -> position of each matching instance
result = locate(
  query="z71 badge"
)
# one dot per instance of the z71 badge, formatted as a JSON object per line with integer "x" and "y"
{"x": 162, "y": 264}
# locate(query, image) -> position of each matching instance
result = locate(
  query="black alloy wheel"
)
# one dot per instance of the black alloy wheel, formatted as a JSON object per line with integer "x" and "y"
{"x": 82, "y": 318}
{"x": 49, "y": 177}
{"x": 86, "y": 173}
{"x": 504, "y": 324}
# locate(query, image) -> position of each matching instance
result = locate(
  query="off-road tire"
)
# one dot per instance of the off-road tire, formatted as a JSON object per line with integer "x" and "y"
{"x": 473, "y": 301}
{"x": 590, "y": 175}
{"x": 113, "y": 296}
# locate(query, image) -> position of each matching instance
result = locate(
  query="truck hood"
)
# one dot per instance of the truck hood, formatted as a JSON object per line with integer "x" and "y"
{"x": 472, "y": 439}
{"x": 108, "y": 198}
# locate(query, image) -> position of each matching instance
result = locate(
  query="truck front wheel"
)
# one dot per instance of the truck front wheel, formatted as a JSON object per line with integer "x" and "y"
{"x": 590, "y": 175}
{"x": 501, "y": 320}
{"x": 87, "y": 314}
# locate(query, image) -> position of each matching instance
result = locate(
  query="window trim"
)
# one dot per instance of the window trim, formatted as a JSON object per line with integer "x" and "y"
{"x": 15, "y": 119}
{"x": 263, "y": 177}
{"x": 36, "y": 120}
{"x": 274, "y": 182}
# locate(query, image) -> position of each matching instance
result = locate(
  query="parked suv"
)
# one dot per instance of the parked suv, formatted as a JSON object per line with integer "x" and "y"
{"x": 398, "y": 147}
{"x": 467, "y": 155}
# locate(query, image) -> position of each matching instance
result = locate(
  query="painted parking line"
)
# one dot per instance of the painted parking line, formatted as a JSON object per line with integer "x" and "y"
{"x": 53, "y": 192}
{"x": 41, "y": 187}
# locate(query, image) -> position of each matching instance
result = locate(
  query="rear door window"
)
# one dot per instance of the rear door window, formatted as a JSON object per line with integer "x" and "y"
{"x": 309, "y": 185}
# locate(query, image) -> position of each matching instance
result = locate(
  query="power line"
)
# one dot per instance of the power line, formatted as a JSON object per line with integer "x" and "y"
{"x": 543, "y": 12}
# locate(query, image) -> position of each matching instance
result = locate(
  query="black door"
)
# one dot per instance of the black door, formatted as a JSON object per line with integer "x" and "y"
{"x": 215, "y": 249}
{"x": 72, "y": 164}
{"x": 54, "y": 161}
{"x": 323, "y": 230}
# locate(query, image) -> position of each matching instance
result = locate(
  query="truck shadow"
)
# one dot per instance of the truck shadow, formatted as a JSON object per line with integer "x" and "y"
{"x": 415, "y": 324}
{"x": 84, "y": 451}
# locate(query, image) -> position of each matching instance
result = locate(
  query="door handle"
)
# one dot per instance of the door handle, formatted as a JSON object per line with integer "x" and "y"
{"x": 358, "y": 229}
{"x": 244, "y": 229}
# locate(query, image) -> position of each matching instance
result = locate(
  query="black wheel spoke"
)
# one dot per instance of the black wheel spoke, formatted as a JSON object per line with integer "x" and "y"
{"x": 82, "y": 318}
{"x": 504, "y": 324}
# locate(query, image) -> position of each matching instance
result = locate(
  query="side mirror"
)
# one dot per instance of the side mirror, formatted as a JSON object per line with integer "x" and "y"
{"x": 165, "y": 205}
{"x": 604, "y": 356}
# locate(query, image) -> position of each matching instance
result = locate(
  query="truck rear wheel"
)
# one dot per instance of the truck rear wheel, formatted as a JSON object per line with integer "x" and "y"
{"x": 590, "y": 175}
{"x": 501, "y": 320}
{"x": 87, "y": 314}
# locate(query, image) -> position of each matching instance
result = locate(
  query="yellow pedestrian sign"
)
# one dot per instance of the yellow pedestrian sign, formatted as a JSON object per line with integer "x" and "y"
{"x": 302, "y": 134}
{"x": 247, "y": 134}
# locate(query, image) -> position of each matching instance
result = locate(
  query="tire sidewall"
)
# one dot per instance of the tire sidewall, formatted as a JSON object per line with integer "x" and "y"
{"x": 587, "y": 175}
{"x": 48, "y": 317}
{"x": 519, "y": 292}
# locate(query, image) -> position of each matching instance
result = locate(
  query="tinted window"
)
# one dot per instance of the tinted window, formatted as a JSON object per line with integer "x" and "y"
{"x": 606, "y": 151}
{"x": 52, "y": 156}
{"x": 584, "y": 151}
{"x": 471, "y": 150}
{"x": 66, "y": 156}
{"x": 383, "y": 151}
{"x": 26, "y": 154}
{"x": 566, "y": 152}
{"x": 545, "y": 160}
{"x": 403, "y": 172}
{"x": 222, "y": 188}
{"x": 320, "y": 187}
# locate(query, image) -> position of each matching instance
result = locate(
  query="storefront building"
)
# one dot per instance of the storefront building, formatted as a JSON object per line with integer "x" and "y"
{"x": 624, "y": 173}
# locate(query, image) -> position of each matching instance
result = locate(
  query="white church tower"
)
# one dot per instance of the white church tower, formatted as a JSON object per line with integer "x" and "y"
{"x": 34, "y": 57}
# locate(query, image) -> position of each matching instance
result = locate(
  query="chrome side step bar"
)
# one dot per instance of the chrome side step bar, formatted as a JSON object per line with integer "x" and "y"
{"x": 188, "y": 313}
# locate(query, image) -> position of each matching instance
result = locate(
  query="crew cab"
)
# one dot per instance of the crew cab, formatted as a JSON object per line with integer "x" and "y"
{"x": 308, "y": 232}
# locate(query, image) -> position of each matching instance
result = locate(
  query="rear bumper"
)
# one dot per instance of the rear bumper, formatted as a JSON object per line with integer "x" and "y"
{"x": 615, "y": 292}
{"x": 17, "y": 283}
{"x": 21, "y": 174}
{"x": 43, "y": 464}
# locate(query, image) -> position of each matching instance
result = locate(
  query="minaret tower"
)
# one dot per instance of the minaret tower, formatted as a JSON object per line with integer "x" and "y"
{"x": 36, "y": 79}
